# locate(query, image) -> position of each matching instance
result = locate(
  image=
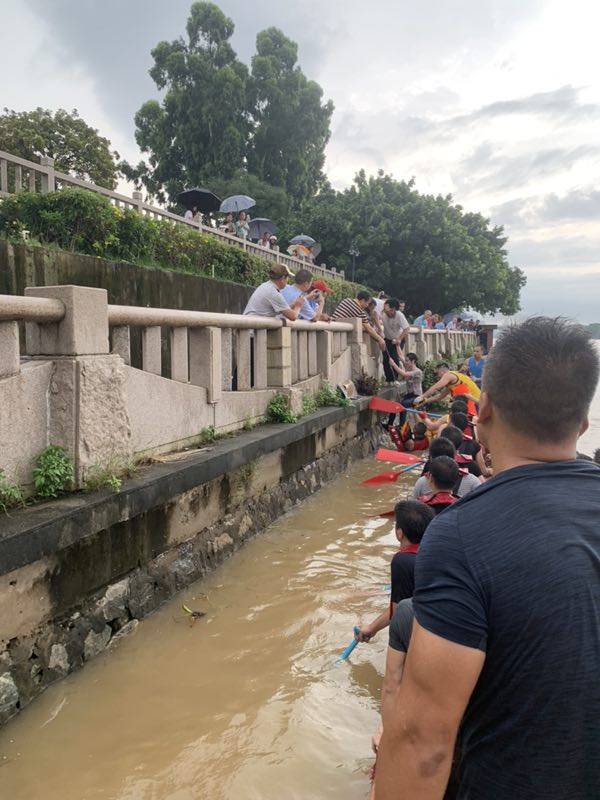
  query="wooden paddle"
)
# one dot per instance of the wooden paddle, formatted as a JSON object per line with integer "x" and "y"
{"x": 387, "y": 406}
{"x": 389, "y": 477}
{"x": 397, "y": 457}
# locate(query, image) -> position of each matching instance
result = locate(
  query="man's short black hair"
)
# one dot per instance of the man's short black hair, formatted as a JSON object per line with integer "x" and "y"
{"x": 460, "y": 420}
{"x": 443, "y": 472}
{"x": 413, "y": 357}
{"x": 393, "y": 302}
{"x": 303, "y": 276}
{"x": 541, "y": 376}
{"x": 419, "y": 430}
{"x": 362, "y": 295}
{"x": 442, "y": 365}
{"x": 458, "y": 405}
{"x": 442, "y": 446}
{"x": 413, "y": 517}
{"x": 452, "y": 434}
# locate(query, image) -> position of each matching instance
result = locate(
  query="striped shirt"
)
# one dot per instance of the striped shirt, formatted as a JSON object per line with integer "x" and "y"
{"x": 349, "y": 309}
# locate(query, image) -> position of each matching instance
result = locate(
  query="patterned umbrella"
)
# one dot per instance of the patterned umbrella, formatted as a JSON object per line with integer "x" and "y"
{"x": 236, "y": 203}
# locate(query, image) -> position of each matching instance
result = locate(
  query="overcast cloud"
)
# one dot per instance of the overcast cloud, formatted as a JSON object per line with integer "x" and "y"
{"x": 497, "y": 102}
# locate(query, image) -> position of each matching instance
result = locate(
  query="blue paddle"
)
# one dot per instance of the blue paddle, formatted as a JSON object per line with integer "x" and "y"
{"x": 351, "y": 646}
{"x": 429, "y": 414}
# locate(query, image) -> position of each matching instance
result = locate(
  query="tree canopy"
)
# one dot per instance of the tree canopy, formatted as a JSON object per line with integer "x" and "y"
{"x": 218, "y": 120}
{"x": 75, "y": 146}
{"x": 422, "y": 248}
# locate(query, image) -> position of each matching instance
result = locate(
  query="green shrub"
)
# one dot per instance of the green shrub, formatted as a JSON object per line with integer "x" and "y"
{"x": 110, "y": 475}
{"x": 329, "y": 396}
{"x": 309, "y": 405}
{"x": 11, "y": 495}
{"x": 53, "y": 473}
{"x": 79, "y": 220}
{"x": 279, "y": 410}
{"x": 208, "y": 435}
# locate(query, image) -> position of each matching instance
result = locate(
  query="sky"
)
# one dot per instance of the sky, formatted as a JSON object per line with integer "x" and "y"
{"x": 494, "y": 101}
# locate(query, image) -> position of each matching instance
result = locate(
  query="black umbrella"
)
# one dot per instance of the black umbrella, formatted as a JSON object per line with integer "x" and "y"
{"x": 260, "y": 225}
{"x": 203, "y": 199}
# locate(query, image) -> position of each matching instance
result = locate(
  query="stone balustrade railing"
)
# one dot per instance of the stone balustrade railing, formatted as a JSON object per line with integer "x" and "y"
{"x": 43, "y": 177}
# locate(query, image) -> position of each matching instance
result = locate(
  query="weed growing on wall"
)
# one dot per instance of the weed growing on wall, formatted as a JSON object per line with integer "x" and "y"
{"x": 309, "y": 405}
{"x": 110, "y": 475}
{"x": 11, "y": 495}
{"x": 279, "y": 410}
{"x": 53, "y": 473}
{"x": 329, "y": 396}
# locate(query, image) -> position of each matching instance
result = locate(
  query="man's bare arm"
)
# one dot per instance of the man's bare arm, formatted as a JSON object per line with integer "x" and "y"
{"x": 394, "y": 666}
{"x": 415, "y": 756}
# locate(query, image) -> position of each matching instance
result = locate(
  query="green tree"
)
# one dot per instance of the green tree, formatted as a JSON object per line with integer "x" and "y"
{"x": 422, "y": 248}
{"x": 291, "y": 125}
{"x": 200, "y": 129}
{"x": 76, "y": 147}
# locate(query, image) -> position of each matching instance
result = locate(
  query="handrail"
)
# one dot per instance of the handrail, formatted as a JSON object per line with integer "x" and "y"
{"x": 175, "y": 318}
{"x": 31, "y": 309}
{"x": 22, "y": 162}
{"x": 305, "y": 325}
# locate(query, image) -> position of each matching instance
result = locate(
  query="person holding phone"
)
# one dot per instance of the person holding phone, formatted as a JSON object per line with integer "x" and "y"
{"x": 314, "y": 300}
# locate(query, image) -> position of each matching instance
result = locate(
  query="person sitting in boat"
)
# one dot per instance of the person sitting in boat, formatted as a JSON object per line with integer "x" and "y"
{"x": 442, "y": 446}
{"x": 469, "y": 445}
{"x": 452, "y": 382}
{"x": 412, "y": 519}
{"x": 408, "y": 438}
{"x": 399, "y": 639}
{"x": 443, "y": 477}
{"x": 434, "y": 426}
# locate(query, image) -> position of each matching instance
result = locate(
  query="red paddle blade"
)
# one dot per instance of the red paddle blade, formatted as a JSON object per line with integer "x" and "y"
{"x": 387, "y": 406}
{"x": 397, "y": 457}
{"x": 387, "y": 514}
{"x": 383, "y": 477}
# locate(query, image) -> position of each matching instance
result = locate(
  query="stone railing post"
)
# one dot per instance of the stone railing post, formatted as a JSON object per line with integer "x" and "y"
{"x": 138, "y": 202}
{"x": 48, "y": 182}
{"x": 279, "y": 357}
{"x": 358, "y": 350}
{"x": 421, "y": 346}
{"x": 205, "y": 361}
{"x": 324, "y": 353}
{"x": 87, "y": 410}
{"x": 9, "y": 349}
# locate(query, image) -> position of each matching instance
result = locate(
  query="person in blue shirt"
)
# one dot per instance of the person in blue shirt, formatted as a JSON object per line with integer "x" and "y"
{"x": 474, "y": 365}
{"x": 423, "y": 320}
{"x": 504, "y": 655}
{"x": 312, "y": 308}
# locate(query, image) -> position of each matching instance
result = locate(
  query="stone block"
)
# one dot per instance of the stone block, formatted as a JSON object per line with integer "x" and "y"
{"x": 59, "y": 659}
{"x": 179, "y": 355}
{"x": 324, "y": 353}
{"x": 151, "y": 350}
{"x": 121, "y": 343}
{"x": 96, "y": 642}
{"x": 9, "y": 696}
{"x": 82, "y": 331}
{"x": 205, "y": 361}
{"x": 313, "y": 367}
{"x": 260, "y": 359}
{"x": 9, "y": 349}
{"x": 242, "y": 359}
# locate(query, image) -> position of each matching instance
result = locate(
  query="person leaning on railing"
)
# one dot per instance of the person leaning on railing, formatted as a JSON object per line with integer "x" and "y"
{"x": 312, "y": 307}
{"x": 267, "y": 301}
{"x": 352, "y": 309}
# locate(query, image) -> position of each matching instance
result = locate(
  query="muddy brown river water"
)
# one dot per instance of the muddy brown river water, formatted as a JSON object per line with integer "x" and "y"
{"x": 247, "y": 703}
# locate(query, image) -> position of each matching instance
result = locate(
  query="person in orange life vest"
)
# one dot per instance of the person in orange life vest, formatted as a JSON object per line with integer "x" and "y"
{"x": 470, "y": 446}
{"x": 412, "y": 519}
{"x": 454, "y": 383}
{"x": 443, "y": 475}
{"x": 408, "y": 439}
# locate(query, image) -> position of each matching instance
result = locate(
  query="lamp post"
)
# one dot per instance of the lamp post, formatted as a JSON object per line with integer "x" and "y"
{"x": 354, "y": 252}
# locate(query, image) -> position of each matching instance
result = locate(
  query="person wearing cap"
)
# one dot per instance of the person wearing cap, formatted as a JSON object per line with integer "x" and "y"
{"x": 312, "y": 307}
{"x": 321, "y": 287}
{"x": 267, "y": 301}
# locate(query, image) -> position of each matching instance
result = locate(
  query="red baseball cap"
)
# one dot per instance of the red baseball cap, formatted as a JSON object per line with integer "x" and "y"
{"x": 321, "y": 286}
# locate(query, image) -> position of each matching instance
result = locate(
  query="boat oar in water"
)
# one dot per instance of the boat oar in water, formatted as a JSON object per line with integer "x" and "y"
{"x": 389, "y": 477}
{"x": 397, "y": 457}
{"x": 351, "y": 646}
{"x": 392, "y": 407}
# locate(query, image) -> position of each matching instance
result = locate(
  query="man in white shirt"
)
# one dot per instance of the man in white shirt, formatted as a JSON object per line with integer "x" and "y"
{"x": 395, "y": 331}
{"x": 267, "y": 300}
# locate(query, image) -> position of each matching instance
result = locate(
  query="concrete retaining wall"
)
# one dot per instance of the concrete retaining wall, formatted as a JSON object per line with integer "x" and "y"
{"x": 77, "y": 574}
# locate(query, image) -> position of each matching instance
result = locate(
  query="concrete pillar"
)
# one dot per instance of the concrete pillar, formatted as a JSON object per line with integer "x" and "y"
{"x": 3, "y": 175}
{"x": 279, "y": 357}
{"x": 9, "y": 349}
{"x": 302, "y": 355}
{"x": 421, "y": 347}
{"x": 48, "y": 183}
{"x": 205, "y": 361}
{"x": 324, "y": 343}
{"x": 356, "y": 336}
{"x": 138, "y": 201}
{"x": 82, "y": 331}
{"x": 242, "y": 359}
{"x": 121, "y": 342}
{"x": 18, "y": 178}
{"x": 179, "y": 355}
{"x": 313, "y": 367}
{"x": 226, "y": 358}
{"x": 151, "y": 354}
{"x": 260, "y": 359}
{"x": 295, "y": 358}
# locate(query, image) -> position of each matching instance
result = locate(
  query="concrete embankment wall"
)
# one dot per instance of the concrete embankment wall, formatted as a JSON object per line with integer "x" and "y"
{"x": 126, "y": 284}
{"x": 77, "y": 574}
